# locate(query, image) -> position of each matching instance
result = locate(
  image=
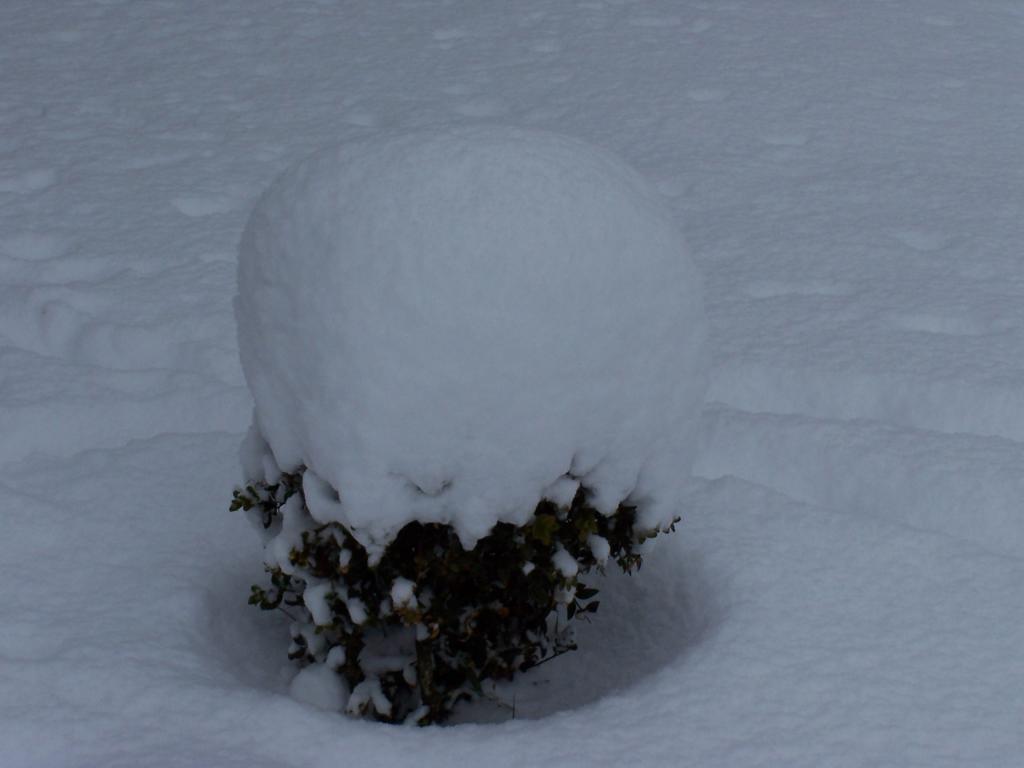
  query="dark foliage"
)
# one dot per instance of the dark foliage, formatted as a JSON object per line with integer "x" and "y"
{"x": 429, "y": 622}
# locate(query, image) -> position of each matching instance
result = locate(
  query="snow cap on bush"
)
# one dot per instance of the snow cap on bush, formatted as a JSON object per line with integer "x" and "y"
{"x": 452, "y": 326}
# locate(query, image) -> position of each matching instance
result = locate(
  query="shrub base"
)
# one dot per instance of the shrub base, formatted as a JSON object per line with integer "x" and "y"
{"x": 426, "y": 624}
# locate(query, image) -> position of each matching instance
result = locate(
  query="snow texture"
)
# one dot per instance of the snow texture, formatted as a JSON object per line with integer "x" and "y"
{"x": 320, "y": 686}
{"x": 565, "y": 563}
{"x": 444, "y": 325}
{"x": 315, "y": 598}
{"x": 403, "y": 593}
{"x": 845, "y": 586}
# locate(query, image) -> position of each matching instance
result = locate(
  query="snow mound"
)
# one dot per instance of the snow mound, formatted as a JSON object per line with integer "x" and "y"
{"x": 320, "y": 686}
{"x": 449, "y": 326}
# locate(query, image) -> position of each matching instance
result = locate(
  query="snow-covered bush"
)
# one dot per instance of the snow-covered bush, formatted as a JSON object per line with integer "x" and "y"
{"x": 478, "y": 359}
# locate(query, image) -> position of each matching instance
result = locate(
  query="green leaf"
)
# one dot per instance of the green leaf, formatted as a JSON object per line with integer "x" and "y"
{"x": 543, "y": 529}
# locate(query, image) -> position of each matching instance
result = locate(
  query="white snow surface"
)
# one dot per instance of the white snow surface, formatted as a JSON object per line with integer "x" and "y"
{"x": 320, "y": 686}
{"x": 444, "y": 325}
{"x": 403, "y": 593}
{"x": 845, "y": 586}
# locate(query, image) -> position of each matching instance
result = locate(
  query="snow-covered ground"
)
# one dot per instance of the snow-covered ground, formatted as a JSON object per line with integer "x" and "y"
{"x": 846, "y": 586}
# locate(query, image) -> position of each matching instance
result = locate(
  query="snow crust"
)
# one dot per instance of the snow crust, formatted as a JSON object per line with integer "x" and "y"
{"x": 445, "y": 325}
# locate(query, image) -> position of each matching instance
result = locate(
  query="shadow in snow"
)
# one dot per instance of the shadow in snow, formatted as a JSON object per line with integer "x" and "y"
{"x": 250, "y": 644}
{"x": 646, "y": 622}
